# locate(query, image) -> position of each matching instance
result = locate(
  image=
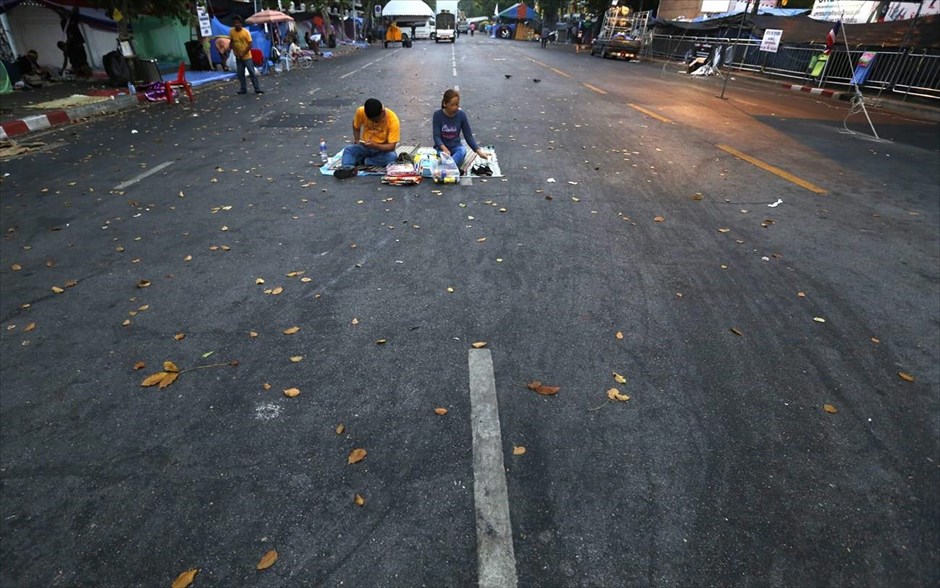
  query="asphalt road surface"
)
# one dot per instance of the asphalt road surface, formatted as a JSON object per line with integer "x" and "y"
{"x": 765, "y": 285}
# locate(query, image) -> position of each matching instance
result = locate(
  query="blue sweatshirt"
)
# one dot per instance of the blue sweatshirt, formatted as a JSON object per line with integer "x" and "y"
{"x": 447, "y": 130}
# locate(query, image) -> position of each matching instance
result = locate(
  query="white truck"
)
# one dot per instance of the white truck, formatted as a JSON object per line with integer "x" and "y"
{"x": 445, "y": 27}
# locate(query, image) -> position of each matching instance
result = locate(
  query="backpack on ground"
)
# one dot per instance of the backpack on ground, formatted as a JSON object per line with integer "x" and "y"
{"x": 116, "y": 67}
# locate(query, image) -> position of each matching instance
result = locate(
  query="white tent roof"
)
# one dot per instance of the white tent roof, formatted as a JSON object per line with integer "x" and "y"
{"x": 407, "y": 8}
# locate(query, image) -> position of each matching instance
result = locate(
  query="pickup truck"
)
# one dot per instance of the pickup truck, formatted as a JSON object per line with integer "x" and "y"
{"x": 617, "y": 45}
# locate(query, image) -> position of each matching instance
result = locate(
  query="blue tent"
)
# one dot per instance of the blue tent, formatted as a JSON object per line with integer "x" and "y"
{"x": 518, "y": 11}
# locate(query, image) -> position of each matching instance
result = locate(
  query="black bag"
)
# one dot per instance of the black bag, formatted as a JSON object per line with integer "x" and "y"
{"x": 116, "y": 67}
{"x": 405, "y": 40}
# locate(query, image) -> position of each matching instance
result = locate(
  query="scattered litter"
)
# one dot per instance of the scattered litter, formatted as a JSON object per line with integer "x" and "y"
{"x": 776, "y": 204}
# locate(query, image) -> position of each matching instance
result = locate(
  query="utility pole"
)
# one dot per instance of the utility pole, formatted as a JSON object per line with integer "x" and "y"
{"x": 734, "y": 47}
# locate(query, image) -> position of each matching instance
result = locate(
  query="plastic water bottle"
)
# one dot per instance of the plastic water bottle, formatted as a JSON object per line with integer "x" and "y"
{"x": 324, "y": 156}
{"x": 131, "y": 89}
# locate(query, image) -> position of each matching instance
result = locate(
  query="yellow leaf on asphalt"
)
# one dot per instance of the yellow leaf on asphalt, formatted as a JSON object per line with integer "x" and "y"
{"x": 143, "y": 283}
{"x": 381, "y": 342}
{"x": 450, "y": 289}
{"x": 267, "y": 560}
{"x": 296, "y": 358}
{"x": 266, "y": 386}
{"x": 57, "y": 290}
{"x": 359, "y": 500}
{"x": 619, "y": 379}
{"x": 518, "y": 449}
{"x": 542, "y": 389}
{"x": 340, "y": 428}
{"x": 306, "y": 280}
{"x": 723, "y": 230}
{"x": 830, "y": 409}
{"x": 185, "y": 579}
{"x": 355, "y": 321}
{"x": 295, "y": 274}
{"x": 801, "y": 294}
{"x": 659, "y": 219}
{"x": 179, "y": 336}
{"x": 819, "y": 319}
{"x": 169, "y": 366}
{"x": 126, "y": 323}
{"x": 252, "y": 334}
{"x": 16, "y": 267}
{"x": 277, "y": 290}
{"x": 619, "y": 335}
{"x": 481, "y": 239}
{"x": 291, "y": 392}
{"x": 737, "y": 332}
{"x": 188, "y": 258}
{"x": 259, "y": 281}
{"x": 440, "y": 411}
{"x": 357, "y": 455}
{"x": 614, "y": 394}
{"x": 291, "y": 330}
{"x": 479, "y": 344}
{"x": 906, "y": 376}
{"x": 29, "y": 327}
{"x": 168, "y": 379}
{"x": 153, "y": 379}
{"x": 140, "y": 365}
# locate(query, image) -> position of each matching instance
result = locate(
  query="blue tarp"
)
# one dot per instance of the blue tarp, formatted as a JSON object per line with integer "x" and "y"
{"x": 518, "y": 11}
{"x": 259, "y": 39}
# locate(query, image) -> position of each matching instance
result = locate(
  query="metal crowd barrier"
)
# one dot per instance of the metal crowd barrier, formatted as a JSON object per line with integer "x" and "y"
{"x": 912, "y": 72}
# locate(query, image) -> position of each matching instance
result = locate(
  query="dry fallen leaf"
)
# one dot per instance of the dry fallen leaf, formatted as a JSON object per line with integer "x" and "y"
{"x": 29, "y": 327}
{"x": 169, "y": 366}
{"x": 906, "y": 376}
{"x": 252, "y": 334}
{"x": 57, "y": 290}
{"x": 358, "y": 500}
{"x": 296, "y": 358}
{"x": 185, "y": 579}
{"x": 140, "y": 365}
{"x": 357, "y": 455}
{"x": 266, "y": 386}
{"x": 659, "y": 219}
{"x": 355, "y": 321}
{"x": 542, "y": 389}
{"x": 614, "y": 394}
{"x": 724, "y": 230}
{"x": 340, "y": 428}
{"x": 291, "y": 330}
{"x": 619, "y": 335}
{"x": 830, "y": 409}
{"x": 259, "y": 281}
{"x": 440, "y": 411}
{"x": 518, "y": 449}
{"x": 478, "y": 344}
{"x": 291, "y": 392}
{"x": 737, "y": 332}
{"x": 381, "y": 342}
{"x": 819, "y": 319}
{"x": 267, "y": 560}
{"x": 179, "y": 336}
{"x": 619, "y": 379}
{"x": 277, "y": 290}
{"x": 143, "y": 283}
{"x": 164, "y": 379}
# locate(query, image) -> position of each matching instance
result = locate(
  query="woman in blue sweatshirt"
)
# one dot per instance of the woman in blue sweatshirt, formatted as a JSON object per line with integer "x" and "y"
{"x": 448, "y": 123}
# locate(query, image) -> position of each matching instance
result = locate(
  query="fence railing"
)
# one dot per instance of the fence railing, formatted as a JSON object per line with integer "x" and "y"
{"x": 914, "y": 72}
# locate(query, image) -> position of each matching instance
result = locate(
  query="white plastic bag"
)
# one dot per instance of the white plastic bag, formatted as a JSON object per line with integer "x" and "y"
{"x": 230, "y": 62}
{"x": 447, "y": 171}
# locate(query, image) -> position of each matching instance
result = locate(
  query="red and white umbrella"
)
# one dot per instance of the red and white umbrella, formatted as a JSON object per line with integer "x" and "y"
{"x": 266, "y": 16}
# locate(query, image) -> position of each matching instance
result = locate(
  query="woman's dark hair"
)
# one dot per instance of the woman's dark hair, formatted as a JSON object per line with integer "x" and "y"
{"x": 448, "y": 96}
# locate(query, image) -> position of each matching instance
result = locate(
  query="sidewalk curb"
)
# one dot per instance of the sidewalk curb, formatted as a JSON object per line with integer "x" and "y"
{"x": 56, "y": 118}
{"x": 833, "y": 94}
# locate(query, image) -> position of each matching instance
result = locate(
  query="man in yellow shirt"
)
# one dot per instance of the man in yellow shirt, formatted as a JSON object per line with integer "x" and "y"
{"x": 376, "y": 133}
{"x": 241, "y": 46}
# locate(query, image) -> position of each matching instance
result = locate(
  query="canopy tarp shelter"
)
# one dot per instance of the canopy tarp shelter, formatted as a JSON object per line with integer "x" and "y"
{"x": 518, "y": 11}
{"x": 407, "y": 12}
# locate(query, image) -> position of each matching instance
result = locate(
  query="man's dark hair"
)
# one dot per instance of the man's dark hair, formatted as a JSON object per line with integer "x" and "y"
{"x": 373, "y": 108}
{"x": 237, "y": 19}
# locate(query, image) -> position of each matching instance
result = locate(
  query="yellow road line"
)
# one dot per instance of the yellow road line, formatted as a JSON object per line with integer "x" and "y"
{"x": 658, "y": 117}
{"x": 772, "y": 169}
{"x": 545, "y": 65}
{"x": 595, "y": 88}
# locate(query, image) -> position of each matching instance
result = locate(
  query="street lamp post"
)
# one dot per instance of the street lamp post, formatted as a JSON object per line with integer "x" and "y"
{"x": 734, "y": 47}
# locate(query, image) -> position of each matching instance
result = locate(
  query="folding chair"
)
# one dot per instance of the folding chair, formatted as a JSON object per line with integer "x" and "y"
{"x": 179, "y": 82}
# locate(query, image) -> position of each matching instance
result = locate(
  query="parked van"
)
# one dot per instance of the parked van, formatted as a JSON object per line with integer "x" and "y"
{"x": 445, "y": 28}
{"x": 425, "y": 30}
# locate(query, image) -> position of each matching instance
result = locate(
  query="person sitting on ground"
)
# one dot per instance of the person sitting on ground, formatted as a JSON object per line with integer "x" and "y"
{"x": 376, "y": 133}
{"x": 447, "y": 125}
{"x": 33, "y": 73}
{"x": 224, "y": 46}
{"x": 312, "y": 43}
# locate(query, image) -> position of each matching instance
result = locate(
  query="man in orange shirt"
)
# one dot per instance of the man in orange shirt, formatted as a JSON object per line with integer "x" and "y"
{"x": 376, "y": 133}
{"x": 241, "y": 46}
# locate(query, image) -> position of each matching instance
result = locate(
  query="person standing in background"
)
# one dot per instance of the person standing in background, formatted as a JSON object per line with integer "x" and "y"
{"x": 241, "y": 46}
